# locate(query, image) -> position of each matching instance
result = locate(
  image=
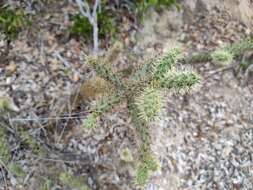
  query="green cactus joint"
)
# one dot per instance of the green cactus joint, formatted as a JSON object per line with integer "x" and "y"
{"x": 222, "y": 57}
{"x": 180, "y": 80}
{"x": 142, "y": 175}
{"x": 165, "y": 63}
{"x": 147, "y": 165}
{"x": 149, "y": 104}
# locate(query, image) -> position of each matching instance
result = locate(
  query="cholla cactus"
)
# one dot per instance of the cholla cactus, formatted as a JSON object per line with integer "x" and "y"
{"x": 234, "y": 50}
{"x": 144, "y": 94}
{"x": 149, "y": 103}
{"x": 180, "y": 80}
{"x": 165, "y": 63}
{"x": 147, "y": 165}
{"x": 222, "y": 57}
{"x": 238, "y": 49}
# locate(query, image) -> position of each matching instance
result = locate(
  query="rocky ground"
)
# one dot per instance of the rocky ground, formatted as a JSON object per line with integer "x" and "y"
{"x": 203, "y": 140}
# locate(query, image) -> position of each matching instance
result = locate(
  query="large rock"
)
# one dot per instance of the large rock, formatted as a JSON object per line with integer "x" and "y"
{"x": 238, "y": 9}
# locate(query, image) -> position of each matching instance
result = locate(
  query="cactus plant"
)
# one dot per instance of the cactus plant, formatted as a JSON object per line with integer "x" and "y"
{"x": 143, "y": 92}
{"x": 226, "y": 53}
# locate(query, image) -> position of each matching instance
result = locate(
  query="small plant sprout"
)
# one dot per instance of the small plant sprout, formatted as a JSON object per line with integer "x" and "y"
{"x": 222, "y": 57}
{"x": 12, "y": 22}
{"x": 91, "y": 121}
{"x": 126, "y": 155}
{"x": 7, "y": 104}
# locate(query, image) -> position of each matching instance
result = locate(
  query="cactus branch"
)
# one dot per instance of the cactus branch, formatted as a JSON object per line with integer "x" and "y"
{"x": 105, "y": 72}
{"x": 236, "y": 49}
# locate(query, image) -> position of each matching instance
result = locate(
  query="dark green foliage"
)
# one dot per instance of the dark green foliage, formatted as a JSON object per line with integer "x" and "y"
{"x": 81, "y": 27}
{"x": 222, "y": 57}
{"x": 108, "y": 13}
{"x": 6, "y": 157}
{"x": 12, "y": 22}
{"x": 106, "y": 24}
{"x": 244, "y": 65}
{"x": 106, "y": 103}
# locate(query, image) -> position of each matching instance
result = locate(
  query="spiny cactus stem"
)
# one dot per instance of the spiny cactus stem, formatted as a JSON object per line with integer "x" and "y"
{"x": 239, "y": 48}
{"x": 106, "y": 104}
{"x": 140, "y": 125}
{"x": 108, "y": 75}
{"x": 235, "y": 49}
{"x": 105, "y": 72}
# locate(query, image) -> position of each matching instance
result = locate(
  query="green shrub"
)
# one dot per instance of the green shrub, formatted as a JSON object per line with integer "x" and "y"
{"x": 107, "y": 15}
{"x": 82, "y": 27}
{"x": 12, "y": 22}
{"x": 222, "y": 57}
